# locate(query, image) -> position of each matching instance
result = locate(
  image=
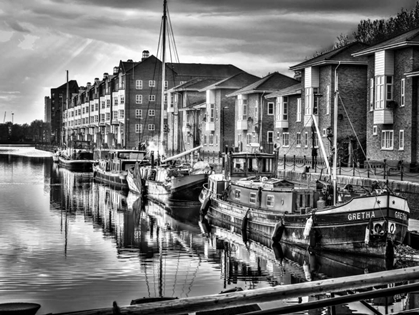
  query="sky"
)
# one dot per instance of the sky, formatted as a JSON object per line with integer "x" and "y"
{"x": 41, "y": 39}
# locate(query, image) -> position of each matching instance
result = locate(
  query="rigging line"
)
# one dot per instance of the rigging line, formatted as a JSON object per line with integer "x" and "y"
{"x": 176, "y": 272}
{"x": 171, "y": 32}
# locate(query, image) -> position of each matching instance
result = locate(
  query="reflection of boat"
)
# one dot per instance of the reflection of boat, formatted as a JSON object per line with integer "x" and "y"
{"x": 366, "y": 223}
{"x": 114, "y": 165}
{"x": 77, "y": 157}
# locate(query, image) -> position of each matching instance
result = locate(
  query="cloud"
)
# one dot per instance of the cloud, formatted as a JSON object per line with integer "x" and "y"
{"x": 41, "y": 39}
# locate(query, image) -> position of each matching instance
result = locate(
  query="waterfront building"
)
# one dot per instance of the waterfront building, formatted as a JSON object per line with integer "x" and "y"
{"x": 254, "y": 114}
{"x": 393, "y": 99}
{"x": 59, "y": 105}
{"x": 218, "y": 129}
{"x": 298, "y": 110}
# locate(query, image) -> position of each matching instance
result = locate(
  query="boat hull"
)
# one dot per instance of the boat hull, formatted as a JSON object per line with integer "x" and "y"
{"x": 76, "y": 165}
{"x": 354, "y": 227}
{"x": 117, "y": 180}
{"x": 180, "y": 188}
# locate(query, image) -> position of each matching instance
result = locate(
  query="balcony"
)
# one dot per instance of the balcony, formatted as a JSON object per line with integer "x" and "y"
{"x": 210, "y": 126}
{"x": 242, "y": 124}
{"x": 383, "y": 116}
{"x": 280, "y": 124}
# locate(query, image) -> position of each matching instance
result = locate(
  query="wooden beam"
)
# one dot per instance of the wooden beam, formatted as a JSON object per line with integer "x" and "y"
{"x": 218, "y": 301}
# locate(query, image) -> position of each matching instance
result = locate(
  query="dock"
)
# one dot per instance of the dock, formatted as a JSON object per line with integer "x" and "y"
{"x": 407, "y": 279}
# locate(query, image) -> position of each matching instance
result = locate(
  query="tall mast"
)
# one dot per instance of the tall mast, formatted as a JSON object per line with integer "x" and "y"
{"x": 162, "y": 100}
{"x": 66, "y": 108}
{"x": 335, "y": 118}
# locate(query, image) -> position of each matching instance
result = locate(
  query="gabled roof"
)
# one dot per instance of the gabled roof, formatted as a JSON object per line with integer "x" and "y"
{"x": 339, "y": 55}
{"x": 203, "y": 70}
{"x": 72, "y": 85}
{"x": 195, "y": 84}
{"x": 268, "y": 84}
{"x": 233, "y": 82}
{"x": 410, "y": 38}
{"x": 291, "y": 90}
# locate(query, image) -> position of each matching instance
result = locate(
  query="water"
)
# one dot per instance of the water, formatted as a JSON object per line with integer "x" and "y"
{"x": 71, "y": 244}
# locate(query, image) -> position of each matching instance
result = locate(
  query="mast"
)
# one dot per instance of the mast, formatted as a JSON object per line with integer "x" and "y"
{"x": 335, "y": 118}
{"x": 66, "y": 107}
{"x": 162, "y": 100}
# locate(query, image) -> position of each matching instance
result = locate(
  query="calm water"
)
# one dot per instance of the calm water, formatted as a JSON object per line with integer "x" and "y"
{"x": 70, "y": 244}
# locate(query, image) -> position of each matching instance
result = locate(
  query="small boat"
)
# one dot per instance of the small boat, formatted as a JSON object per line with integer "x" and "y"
{"x": 78, "y": 157}
{"x": 172, "y": 181}
{"x": 364, "y": 223}
{"x": 19, "y": 308}
{"x": 113, "y": 166}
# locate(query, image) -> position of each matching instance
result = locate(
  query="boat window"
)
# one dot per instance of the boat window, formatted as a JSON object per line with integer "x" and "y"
{"x": 237, "y": 194}
{"x": 239, "y": 165}
{"x": 253, "y": 165}
{"x": 270, "y": 200}
{"x": 252, "y": 197}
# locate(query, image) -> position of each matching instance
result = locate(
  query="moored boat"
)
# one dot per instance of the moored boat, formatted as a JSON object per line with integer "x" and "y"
{"x": 114, "y": 165}
{"x": 172, "y": 181}
{"x": 78, "y": 157}
{"x": 363, "y": 223}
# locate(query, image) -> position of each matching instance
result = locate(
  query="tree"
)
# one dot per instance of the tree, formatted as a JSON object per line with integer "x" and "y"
{"x": 373, "y": 32}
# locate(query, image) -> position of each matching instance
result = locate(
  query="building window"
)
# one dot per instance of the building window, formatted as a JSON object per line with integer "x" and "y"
{"x": 152, "y": 98}
{"x": 252, "y": 197}
{"x": 96, "y": 118}
{"x": 308, "y": 95}
{"x": 114, "y": 115}
{"x": 151, "y": 112}
{"x": 116, "y": 100}
{"x": 166, "y": 85}
{"x": 122, "y": 99}
{"x": 299, "y": 110}
{"x": 306, "y": 140}
{"x": 285, "y": 107}
{"x": 139, "y": 113}
{"x": 138, "y": 128}
{"x": 285, "y": 139}
{"x": 211, "y": 137}
{"x": 298, "y": 139}
{"x": 151, "y": 127}
{"x": 244, "y": 109}
{"x": 139, "y": 99}
{"x": 270, "y": 201}
{"x": 401, "y": 140}
{"x": 402, "y": 92}
{"x": 248, "y": 138}
{"x": 384, "y": 90}
{"x": 139, "y": 84}
{"x": 121, "y": 114}
{"x": 108, "y": 116}
{"x": 96, "y": 106}
{"x": 205, "y": 140}
{"x": 387, "y": 139}
{"x": 375, "y": 130}
{"x": 278, "y": 108}
{"x": 152, "y": 83}
{"x": 108, "y": 103}
{"x": 327, "y": 110}
{"x": 211, "y": 112}
{"x": 102, "y": 104}
{"x": 316, "y": 102}
{"x": 371, "y": 94}
{"x": 270, "y": 108}
{"x": 270, "y": 136}
{"x": 324, "y": 132}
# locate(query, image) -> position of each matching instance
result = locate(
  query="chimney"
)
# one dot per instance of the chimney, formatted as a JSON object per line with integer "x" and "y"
{"x": 96, "y": 81}
{"x": 105, "y": 75}
{"x": 129, "y": 60}
{"x": 88, "y": 85}
{"x": 145, "y": 55}
{"x": 115, "y": 70}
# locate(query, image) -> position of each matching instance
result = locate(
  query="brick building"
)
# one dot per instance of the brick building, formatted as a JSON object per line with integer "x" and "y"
{"x": 254, "y": 115}
{"x": 321, "y": 76}
{"x": 393, "y": 99}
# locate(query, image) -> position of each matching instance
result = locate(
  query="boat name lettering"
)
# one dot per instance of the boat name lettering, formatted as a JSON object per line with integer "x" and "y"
{"x": 361, "y": 215}
{"x": 401, "y": 216}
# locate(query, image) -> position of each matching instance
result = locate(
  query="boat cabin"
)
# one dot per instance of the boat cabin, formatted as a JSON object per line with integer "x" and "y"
{"x": 244, "y": 164}
{"x": 119, "y": 160}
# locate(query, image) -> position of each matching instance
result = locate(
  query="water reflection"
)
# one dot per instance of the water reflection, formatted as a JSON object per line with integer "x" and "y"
{"x": 70, "y": 244}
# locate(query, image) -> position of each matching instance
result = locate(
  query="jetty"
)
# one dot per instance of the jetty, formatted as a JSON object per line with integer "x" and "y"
{"x": 352, "y": 288}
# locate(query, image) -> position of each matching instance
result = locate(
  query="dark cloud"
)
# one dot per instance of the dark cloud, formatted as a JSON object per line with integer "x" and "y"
{"x": 16, "y": 26}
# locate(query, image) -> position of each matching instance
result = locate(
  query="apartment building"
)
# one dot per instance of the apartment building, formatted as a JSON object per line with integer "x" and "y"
{"x": 392, "y": 107}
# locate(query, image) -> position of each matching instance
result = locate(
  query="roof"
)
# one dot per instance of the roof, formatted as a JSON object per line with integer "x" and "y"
{"x": 269, "y": 83}
{"x": 203, "y": 70}
{"x": 72, "y": 86}
{"x": 233, "y": 82}
{"x": 194, "y": 84}
{"x": 410, "y": 38}
{"x": 342, "y": 54}
{"x": 291, "y": 90}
